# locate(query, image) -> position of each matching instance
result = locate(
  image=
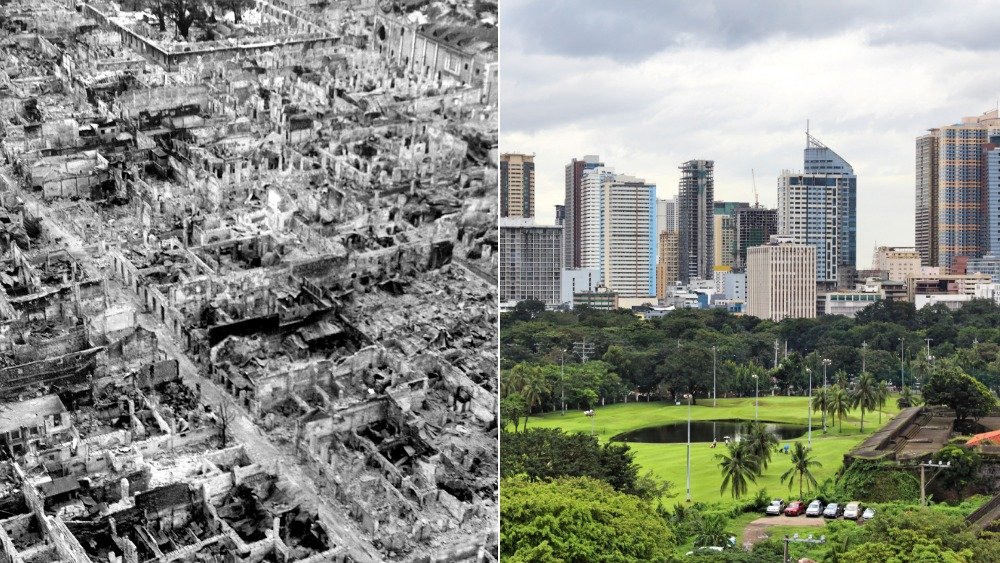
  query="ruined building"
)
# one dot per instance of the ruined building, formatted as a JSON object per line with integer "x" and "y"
{"x": 248, "y": 283}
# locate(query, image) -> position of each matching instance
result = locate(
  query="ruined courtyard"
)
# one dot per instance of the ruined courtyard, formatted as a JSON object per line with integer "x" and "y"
{"x": 248, "y": 281}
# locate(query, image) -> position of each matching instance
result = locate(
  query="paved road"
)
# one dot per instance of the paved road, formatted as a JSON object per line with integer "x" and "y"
{"x": 242, "y": 429}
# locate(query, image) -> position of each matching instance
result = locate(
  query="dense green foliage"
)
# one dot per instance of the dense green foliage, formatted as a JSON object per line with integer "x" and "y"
{"x": 949, "y": 385}
{"x": 578, "y": 520}
{"x": 876, "y": 481}
{"x": 546, "y": 453}
{"x": 672, "y": 355}
{"x": 964, "y": 467}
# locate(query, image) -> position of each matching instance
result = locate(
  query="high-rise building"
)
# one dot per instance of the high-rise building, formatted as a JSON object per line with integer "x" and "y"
{"x": 560, "y": 216}
{"x": 753, "y": 227}
{"x": 819, "y": 208}
{"x": 517, "y": 185}
{"x": 666, "y": 214}
{"x": 629, "y": 236}
{"x": 530, "y": 261}
{"x": 591, "y": 222}
{"x": 952, "y": 170}
{"x": 781, "y": 280}
{"x": 991, "y": 195}
{"x": 666, "y": 266}
{"x": 725, "y": 231}
{"x": 725, "y": 240}
{"x": 926, "y": 225}
{"x": 695, "y": 224}
{"x": 573, "y": 206}
{"x": 901, "y": 263}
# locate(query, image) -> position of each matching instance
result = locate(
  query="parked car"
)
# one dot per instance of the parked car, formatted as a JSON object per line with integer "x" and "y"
{"x": 795, "y": 508}
{"x": 868, "y": 514}
{"x": 776, "y": 507}
{"x": 815, "y": 509}
{"x": 852, "y": 511}
{"x": 832, "y": 510}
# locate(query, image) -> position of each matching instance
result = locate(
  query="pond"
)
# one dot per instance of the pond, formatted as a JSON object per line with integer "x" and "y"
{"x": 706, "y": 430}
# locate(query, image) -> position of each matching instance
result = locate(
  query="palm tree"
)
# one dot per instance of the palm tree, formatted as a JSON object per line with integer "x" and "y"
{"x": 761, "y": 443}
{"x": 907, "y": 398}
{"x": 883, "y": 397}
{"x": 865, "y": 396}
{"x": 534, "y": 388}
{"x": 802, "y": 461}
{"x": 841, "y": 378}
{"x": 513, "y": 379}
{"x": 711, "y": 531}
{"x": 840, "y": 403}
{"x": 821, "y": 402}
{"x": 739, "y": 468}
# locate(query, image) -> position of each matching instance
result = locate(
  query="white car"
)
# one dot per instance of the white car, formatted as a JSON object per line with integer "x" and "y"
{"x": 852, "y": 511}
{"x": 776, "y": 507}
{"x": 815, "y": 509}
{"x": 868, "y": 514}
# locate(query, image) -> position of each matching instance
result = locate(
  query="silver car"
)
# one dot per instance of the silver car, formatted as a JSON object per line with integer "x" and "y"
{"x": 852, "y": 511}
{"x": 776, "y": 507}
{"x": 868, "y": 514}
{"x": 815, "y": 509}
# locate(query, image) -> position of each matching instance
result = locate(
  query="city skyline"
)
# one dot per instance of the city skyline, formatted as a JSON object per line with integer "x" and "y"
{"x": 672, "y": 99}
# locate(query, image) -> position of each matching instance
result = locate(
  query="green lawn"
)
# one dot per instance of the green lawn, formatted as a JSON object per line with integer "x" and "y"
{"x": 667, "y": 461}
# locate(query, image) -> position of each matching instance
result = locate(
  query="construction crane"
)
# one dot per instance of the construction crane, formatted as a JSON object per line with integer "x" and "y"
{"x": 756, "y": 201}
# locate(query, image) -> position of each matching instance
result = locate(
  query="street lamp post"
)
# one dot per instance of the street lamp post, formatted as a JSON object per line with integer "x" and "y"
{"x": 864, "y": 348}
{"x": 826, "y": 394}
{"x": 591, "y": 413}
{"x": 756, "y": 395}
{"x": 714, "y": 396}
{"x": 688, "y": 396}
{"x": 809, "y": 409}
{"x": 902, "y": 347}
{"x": 562, "y": 377}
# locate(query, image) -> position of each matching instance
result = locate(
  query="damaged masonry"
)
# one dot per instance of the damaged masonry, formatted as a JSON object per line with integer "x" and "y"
{"x": 248, "y": 281}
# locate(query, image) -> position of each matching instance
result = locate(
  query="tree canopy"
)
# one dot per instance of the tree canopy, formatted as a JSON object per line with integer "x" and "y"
{"x": 578, "y": 519}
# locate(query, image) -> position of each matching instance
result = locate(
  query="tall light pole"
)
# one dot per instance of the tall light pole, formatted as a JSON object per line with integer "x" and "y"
{"x": 562, "y": 377}
{"x": 864, "y": 348}
{"x": 901, "y": 348}
{"x": 688, "y": 397}
{"x": 928, "y": 346}
{"x": 826, "y": 393}
{"x": 714, "y": 396}
{"x": 809, "y": 409}
{"x": 756, "y": 395}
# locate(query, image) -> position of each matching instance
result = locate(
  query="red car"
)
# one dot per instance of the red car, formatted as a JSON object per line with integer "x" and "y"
{"x": 795, "y": 508}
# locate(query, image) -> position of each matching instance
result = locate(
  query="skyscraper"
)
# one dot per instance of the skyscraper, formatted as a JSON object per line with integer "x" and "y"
{"x": 530, "y": 261}
{"x": 666, "y": 266}
{"x": 926, "y": 225}
{"x": 573, "y": 206}
{"x": 517, "y": 185}
{"x": 560, "y": 215}
{"x": 591, "y": 240}
{"x": 753, "y": 227}
{"x": 695, "y": 225}
{"x": 991, "y": 196}
{"x": 630, "y": 236}
{"x": 819, "y": 208}
{"x": 725, "y": 231}
{"x": 953, "y": 209}
{"x": 820, "y": 159}
{"x": 781, "y": 280}
{"x": 666, "y": 214}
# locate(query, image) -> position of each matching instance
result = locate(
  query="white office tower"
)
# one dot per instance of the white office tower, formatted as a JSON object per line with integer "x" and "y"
{"x": 781, "y": 280}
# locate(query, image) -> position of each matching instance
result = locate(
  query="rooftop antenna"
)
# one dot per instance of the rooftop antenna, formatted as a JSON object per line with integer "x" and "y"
{"x": 756, "y": 201}
{"x": 807, "y": 132}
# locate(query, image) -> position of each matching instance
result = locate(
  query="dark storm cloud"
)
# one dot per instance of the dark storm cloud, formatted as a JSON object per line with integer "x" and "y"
{"x": 632, "y": 30}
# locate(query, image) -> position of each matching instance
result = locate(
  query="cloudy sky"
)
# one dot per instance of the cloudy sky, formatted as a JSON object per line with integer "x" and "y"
{"x": 648, "y": 85}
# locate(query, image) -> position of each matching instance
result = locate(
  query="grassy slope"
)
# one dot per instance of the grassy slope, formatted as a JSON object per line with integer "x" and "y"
{"x": 667, "y": 461}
